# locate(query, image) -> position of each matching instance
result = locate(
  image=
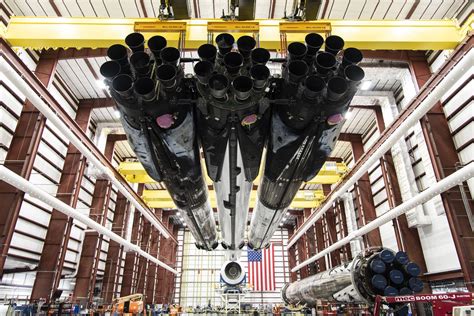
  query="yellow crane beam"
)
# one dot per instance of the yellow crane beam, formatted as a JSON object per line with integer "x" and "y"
{"x": 330, "y": 173}
{"x": 303, "y": 199}
{"x": 46, "y": 32}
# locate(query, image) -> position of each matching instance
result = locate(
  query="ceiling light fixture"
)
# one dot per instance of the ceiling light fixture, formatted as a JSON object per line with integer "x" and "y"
{"x": 366, "y": 85}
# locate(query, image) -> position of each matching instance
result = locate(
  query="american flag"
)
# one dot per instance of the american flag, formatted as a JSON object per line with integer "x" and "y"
{"x": 261, "y": 269}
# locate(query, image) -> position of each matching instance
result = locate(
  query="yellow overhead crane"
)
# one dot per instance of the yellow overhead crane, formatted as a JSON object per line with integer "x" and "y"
{"x": 330, "y": 173}
{"x": 46, "y": 32}
{"x": 303, "y": 199}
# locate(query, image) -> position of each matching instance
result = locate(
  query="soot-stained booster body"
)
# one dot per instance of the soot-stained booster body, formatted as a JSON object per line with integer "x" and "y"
{"x": 376, "y": 271}
{"x": 156, "y": 104}
{"x": 307, "y": 113}
{"x": 233, "y": 122}
{"x": 231, "y": 109}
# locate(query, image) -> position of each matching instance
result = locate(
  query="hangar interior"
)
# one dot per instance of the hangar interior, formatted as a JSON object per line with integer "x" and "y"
{"x": 236, "y": 156}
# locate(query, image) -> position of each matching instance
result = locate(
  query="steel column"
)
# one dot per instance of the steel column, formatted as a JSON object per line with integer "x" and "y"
{"x": 311, "y": 243}
{"x": 445, "y": 160}
{"x": 112, "y": 265}
{"x": 410, "y": 239}
{"x": 163, "y": 255}
{"x": 301, "y": 246}
{"x": 330, "y": 218}
{"x": 51, "y": 262}
{"x": 142, "y": 262}
{"x": 87, "y": 272}
{"x": 364, "y": 192}
{"x": 320, "y": 243}
{"x": 130, "y": 256}
{"x": 21, "y": 158}
{"x": 291, "y": 257}
{"x": 84, "y": 271}
{"x": 151, "y": 272}
{"x": 171, "y": 276}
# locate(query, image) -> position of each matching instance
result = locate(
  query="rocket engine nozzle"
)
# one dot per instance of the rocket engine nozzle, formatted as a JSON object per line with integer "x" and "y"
{"x": 109, "y": 70}
{"x": 259, "y": 74}
{"x": 334, "y": 44}
{"x": 156, "y": 44}
{"x": 170, "y": 56}
{"x": 118, "y": 53}
{"x": 245, "y": 45}
{"x": 141, "y": 63}
{"x": 225, "y": 41}
{"x": 166, "y": 74}
{"x": 136, "y": 42}
{"x": 207, "y": 52}
{"x": 260, "y": 56}
{"x": 232, "y": 62}
{"x": 218, "y": 85}
{"x": 232, "y": 273}
{"x": 313, "y": 41}
{"x": 123, "y": 85}
{"x": 203, "y": 71}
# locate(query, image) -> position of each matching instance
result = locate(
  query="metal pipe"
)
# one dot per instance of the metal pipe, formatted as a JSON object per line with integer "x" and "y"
{"x": 34, "y": 191}
{"x": 357, "y": 281}
{"x": 434, "y": 96}
{"x": 38, "y": 102}
{"x": 441, "y": 186}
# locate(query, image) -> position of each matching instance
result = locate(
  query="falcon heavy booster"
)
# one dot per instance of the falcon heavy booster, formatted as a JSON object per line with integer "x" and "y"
{"x": 231, "y": 108}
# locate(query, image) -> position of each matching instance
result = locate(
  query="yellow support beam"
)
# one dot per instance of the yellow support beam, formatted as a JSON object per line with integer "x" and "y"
{"x": 303, "y": 199}
{"x": 42, "y": 32}
{"x": 330, "y": 173}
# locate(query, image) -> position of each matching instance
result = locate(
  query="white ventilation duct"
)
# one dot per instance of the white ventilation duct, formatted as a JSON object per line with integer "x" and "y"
{"x": 441, "y": 186}
{"x": 24, "y": 185}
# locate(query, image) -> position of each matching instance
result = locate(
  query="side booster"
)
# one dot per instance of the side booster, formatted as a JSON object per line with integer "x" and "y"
{"x": 232, "y": 124}
{"x": 156, "y": 106}
{"x": 308, "y": 107}
{"x": 232, "y": 274}
{"x": 374, "y": 272}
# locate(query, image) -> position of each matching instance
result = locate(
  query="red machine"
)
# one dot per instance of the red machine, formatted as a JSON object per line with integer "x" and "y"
{"x": 442, "y": 303}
